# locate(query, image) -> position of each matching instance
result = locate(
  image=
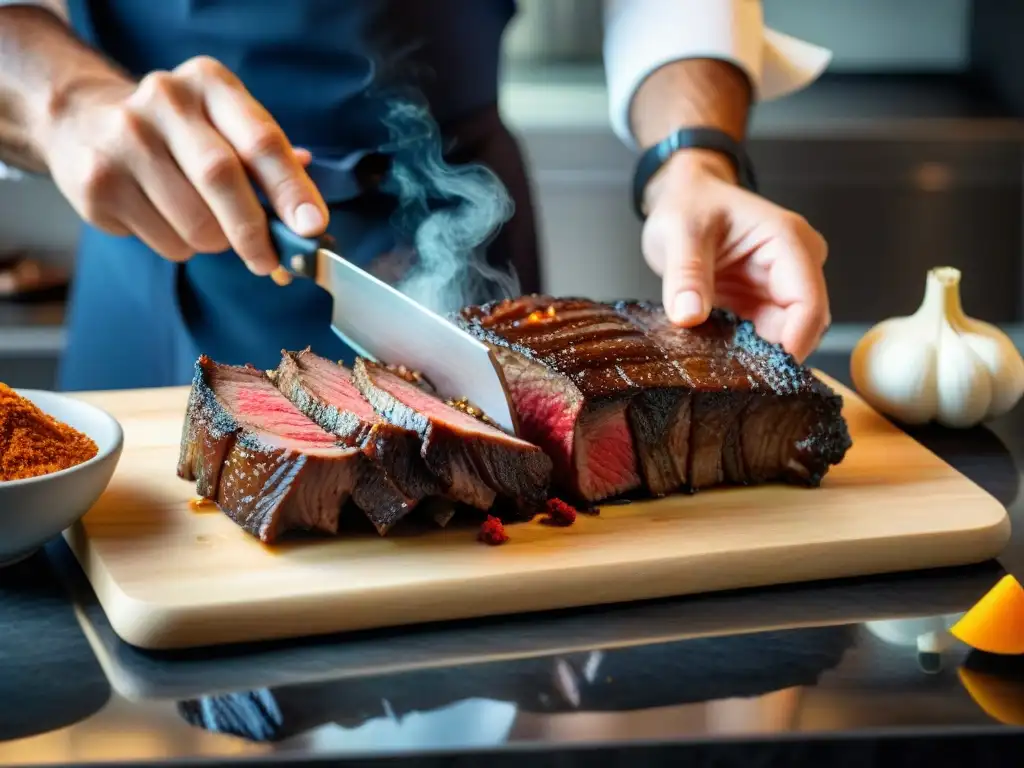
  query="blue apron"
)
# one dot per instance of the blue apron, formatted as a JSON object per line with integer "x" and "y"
{"x": 319, "y": 66}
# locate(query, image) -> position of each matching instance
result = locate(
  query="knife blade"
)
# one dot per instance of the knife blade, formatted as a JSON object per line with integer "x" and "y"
{"x": 381, "y": 323}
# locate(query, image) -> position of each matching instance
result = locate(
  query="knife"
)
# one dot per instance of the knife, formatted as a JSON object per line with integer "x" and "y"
{"x": 382, "y": 324}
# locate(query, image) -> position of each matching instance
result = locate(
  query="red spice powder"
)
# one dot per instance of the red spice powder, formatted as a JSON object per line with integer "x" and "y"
{"x": 559, "y": 513}
{"x": 492, "y": 531}
{"x": 33, "y": 443}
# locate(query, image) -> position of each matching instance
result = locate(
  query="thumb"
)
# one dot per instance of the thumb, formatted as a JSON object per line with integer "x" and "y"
{"x": 688, "y": 282}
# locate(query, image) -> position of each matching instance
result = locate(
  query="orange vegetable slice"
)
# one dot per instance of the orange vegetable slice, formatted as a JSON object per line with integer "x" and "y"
{"x": 996, "y": 622}
{"x": 1002, "y": 700}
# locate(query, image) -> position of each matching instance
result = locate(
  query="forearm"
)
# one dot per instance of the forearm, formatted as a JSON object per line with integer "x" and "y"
{"x": 644, "y": 37}
{"x": 691, "y": 93}
{"x": 695, "y": 92}
{"x": 42, "y": 64}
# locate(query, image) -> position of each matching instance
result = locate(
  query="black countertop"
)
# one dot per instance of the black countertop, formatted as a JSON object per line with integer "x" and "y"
{"x": 747, "y": 678}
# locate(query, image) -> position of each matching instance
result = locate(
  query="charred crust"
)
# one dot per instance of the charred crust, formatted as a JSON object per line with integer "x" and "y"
{"x": 476, "y": 328}
{"x": 208, "y": 410}
{"x": 771, "y": 370}
{"x": 656, "y": 409}
{"x": 473, "y": 320}
{"x": 344, "y": 425}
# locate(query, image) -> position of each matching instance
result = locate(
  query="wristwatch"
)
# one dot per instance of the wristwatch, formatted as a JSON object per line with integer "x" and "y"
{"x": 699, "y": 137}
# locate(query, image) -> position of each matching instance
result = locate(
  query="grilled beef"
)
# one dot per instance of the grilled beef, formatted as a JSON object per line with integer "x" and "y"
{"x": 324, "y": 391}
{"x": 266, "y": 465}
{"x": 789, "y": 425}
{"x": 611, "y": 398}
{"x": 575, "y": 372}
{"x": 475, "y": 462}
{"x": 621, "y": 398}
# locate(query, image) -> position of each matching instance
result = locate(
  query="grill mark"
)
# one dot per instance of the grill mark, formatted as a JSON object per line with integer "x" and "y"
{"x": 595, "y": 347}
{"x": 618, "y": 350}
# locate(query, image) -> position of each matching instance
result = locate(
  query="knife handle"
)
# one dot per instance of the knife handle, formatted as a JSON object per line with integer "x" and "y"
{"x": 296, "y": 253}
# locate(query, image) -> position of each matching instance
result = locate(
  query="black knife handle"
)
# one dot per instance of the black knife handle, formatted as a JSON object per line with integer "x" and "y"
{"x": 296, "y": 253}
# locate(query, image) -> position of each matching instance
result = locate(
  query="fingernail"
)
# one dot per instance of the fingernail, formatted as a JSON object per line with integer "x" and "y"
{"x": 308, "y": 219}
{"x": 257, "y": 268}
{"x": 688, "y": 305}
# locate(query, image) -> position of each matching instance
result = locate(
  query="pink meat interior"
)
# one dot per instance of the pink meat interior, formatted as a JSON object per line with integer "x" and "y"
{"x": 604, "y": 453}
{"x": 547, "y": 411}
{"x": 258, "y": 406}
{"x": 428, "y": 405}
{"x": 333, "y": 384}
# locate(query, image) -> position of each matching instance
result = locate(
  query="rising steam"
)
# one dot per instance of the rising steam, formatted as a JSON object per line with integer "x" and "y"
{"x": 451, "y": 212}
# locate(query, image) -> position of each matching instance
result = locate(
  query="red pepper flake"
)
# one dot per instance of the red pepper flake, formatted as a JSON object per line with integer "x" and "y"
{"x": 492, "y": 531}
{"x": 559, "y": 513}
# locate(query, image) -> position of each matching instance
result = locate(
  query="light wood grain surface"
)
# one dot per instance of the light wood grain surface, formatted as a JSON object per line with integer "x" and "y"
{"x": 169, "y": 577}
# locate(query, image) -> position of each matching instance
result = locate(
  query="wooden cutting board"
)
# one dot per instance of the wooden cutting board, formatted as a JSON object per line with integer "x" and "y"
{"x": 170, "y": 577}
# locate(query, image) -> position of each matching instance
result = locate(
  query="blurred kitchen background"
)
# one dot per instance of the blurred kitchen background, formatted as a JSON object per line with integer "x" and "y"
{"x": 907, "y": 154}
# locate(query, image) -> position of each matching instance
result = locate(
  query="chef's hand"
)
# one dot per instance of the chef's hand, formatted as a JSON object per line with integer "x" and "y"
{"x": 169, "y": 159}
{"x": 716, "y": 244}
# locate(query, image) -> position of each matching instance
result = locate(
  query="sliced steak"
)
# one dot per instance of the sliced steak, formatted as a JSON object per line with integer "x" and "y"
{"x": 757, "y": 414}
{"x": 325, "y": 392}
{"x": 614, "y": 392}
{"x": 800, "y": 432}
{"x": 268, "y": 467}
{"x": 719, "y": 386}
{"x": 661, "y": 420}
{"x": 601, "y": 398}
{"x": 474, "y": 461}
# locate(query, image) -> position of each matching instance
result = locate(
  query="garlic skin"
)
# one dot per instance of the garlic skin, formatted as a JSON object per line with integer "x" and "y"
{"x": 938, "y": 364}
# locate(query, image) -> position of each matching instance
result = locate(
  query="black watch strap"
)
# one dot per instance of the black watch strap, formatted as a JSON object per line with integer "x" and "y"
{"x": 713, "y": 139}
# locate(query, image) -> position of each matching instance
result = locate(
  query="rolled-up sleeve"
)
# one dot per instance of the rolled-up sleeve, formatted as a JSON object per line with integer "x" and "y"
{"x": 643, "y": 35}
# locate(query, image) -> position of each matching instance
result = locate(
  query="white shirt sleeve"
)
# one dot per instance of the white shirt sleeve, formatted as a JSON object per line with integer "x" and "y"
{"x": 59, "y": 7}
{"x": 644, "y": 35}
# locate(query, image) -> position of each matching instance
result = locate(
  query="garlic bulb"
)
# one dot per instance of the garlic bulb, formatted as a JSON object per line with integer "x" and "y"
{"x": 938, "y": 364}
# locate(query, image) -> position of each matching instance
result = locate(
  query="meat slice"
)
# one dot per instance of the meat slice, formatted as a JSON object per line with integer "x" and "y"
{"x": 619, "y": 396}
{"x": 719, "y": 387}
{"x": 660, "y": 420}
{"x": 268, "y": 467}
{"x": 757, "y": 414}
{"x": 474, "y": 461}
{"x": 325, "y": 392}
{"x": 601, "y": 398}
{"x": 798, "y": 430}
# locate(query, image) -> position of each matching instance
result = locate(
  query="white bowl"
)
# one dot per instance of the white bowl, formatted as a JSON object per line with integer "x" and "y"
{"x": 34, "y": 510}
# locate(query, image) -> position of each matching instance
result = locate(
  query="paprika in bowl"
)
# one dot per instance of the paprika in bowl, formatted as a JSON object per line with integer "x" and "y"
{"x": 57, "y": 455}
